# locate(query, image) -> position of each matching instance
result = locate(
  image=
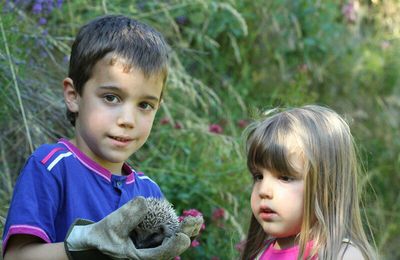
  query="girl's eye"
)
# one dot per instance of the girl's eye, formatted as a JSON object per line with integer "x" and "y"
{"x": 286, "y": 178}
{"x": 257, "y": 177}
{"x": 146, "y": 106}
{"x": 109, "y": 98}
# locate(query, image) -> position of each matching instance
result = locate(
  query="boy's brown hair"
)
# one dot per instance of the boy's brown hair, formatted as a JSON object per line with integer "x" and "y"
{"x": 138, "y": 44}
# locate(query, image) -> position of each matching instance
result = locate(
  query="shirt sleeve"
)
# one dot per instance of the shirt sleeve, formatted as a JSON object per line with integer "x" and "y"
{"x": 34, "y": 204}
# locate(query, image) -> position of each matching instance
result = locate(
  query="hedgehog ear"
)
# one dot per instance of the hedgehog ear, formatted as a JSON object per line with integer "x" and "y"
{"x": 162, "y": 229}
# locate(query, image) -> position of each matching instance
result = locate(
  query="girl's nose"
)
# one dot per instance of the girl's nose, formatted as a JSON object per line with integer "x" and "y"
{"x": 266, "y": 188}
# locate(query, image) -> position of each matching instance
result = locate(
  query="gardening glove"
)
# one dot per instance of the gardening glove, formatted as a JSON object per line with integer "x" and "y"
{"x": 191, "y": 225}
{"x": 109, "y": 238}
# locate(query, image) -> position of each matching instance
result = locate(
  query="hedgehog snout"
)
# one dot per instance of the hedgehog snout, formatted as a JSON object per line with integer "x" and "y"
{"x": 149, "y": 239}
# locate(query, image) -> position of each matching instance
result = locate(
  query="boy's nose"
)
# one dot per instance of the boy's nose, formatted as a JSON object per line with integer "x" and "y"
{"x": 126, "y": 118}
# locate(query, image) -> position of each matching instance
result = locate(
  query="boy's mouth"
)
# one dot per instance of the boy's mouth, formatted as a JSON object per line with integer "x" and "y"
{"x": 122, "y": 139}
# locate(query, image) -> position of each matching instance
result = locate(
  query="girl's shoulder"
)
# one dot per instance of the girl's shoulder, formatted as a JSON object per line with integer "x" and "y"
{"x": 264, "y": 249}
{"x": 349, "y": 251}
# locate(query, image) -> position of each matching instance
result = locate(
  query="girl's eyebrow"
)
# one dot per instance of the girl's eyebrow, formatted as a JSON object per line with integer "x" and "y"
{"x": 119, "y": 90}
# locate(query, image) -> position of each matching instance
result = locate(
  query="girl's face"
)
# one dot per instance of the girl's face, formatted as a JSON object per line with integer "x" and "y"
{"x": 277, "y": 200}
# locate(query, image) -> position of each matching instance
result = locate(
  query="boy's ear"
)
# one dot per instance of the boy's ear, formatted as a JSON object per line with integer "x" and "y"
{"x": 71, "y": 96}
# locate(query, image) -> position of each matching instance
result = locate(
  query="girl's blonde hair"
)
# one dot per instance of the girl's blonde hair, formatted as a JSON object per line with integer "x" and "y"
{"x": 331, "y": 205}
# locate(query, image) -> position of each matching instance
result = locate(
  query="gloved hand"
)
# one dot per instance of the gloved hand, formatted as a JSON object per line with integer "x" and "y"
{"x": 191, "y": 225}
{"x": 110, "y": 236}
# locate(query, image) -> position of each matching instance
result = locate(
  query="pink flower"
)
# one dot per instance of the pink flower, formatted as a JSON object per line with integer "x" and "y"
{"x": 178, "y": 125}
{"x": 385, "y": 45}
{"x": 350, "y": 10}
{"x": 215, "y": 258}
{"x": 177, "y": 258}
{"x": 242, "y": 123}
{"x": 218, "y": 213}
{"x": 240, "y": 246}
{"x": 192, "y": 212}
{"x": 303, "y": 68}
{"x": 195, "y": 243}
{"x": 164, "y": 121}
{"x": 215, "y": 128}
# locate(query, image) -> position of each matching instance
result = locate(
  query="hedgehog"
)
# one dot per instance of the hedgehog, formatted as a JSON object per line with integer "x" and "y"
{"x": 160, "y": 222}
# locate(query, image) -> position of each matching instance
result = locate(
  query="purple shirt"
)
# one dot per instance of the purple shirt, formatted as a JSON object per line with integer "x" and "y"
{"x": 59, "y": 183}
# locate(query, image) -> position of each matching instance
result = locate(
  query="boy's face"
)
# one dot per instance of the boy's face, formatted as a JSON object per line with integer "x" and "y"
{"x": 115, "y": 112}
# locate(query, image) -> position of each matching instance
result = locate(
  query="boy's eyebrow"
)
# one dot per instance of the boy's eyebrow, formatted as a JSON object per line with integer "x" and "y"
{"x": 117, "y": 89}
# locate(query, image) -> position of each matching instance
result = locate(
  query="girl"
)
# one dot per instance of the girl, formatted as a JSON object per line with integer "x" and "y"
{"x": 304, "y": 198}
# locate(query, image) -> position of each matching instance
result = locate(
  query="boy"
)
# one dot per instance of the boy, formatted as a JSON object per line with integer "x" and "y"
{"x": 117, "y": 71}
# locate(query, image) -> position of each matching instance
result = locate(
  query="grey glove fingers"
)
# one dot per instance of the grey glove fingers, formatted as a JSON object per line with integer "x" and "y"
{"x": 92, "y": 254}
{"x": 191, "y": 225}
{"x": 170, "y": 248}
{"x": 128, "y": 216}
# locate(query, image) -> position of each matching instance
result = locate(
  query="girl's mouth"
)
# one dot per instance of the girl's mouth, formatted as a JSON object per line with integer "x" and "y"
{"x": 266, "y": 210}
{"x": 267, "y": 214}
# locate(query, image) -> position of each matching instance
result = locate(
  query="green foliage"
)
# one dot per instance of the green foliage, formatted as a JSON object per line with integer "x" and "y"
{"x": 230, "y": 59}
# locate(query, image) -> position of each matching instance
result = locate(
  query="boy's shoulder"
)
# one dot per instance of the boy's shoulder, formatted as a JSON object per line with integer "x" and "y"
{"x": 47, "y": 154}
{"x": 141, "y": 176}
{"x": 48, "y": 150}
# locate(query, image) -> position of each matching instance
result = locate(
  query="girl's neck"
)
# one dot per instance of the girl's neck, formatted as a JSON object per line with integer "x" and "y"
{"x": 285, "y": 242}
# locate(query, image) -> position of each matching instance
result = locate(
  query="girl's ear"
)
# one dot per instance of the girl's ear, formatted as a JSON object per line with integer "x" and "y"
{"x": 71, "y": 96}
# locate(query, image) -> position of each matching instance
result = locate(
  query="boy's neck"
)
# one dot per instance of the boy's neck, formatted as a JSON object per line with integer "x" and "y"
{"x": 114, "y": 168}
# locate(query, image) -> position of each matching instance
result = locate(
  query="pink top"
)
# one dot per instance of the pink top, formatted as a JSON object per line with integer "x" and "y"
{"x": 270, "y": 253}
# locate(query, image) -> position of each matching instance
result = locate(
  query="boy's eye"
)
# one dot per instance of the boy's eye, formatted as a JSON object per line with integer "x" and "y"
{"x": 109, "y": 98}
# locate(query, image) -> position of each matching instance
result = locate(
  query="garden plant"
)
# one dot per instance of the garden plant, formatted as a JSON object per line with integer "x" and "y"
{"x": 230, "y": 61}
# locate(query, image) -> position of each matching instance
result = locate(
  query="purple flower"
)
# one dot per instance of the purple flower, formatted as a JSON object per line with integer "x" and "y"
{"x": 59, "y": 3}
{"x": 182, "y": 20}
{"x": 215, "y": 128}
{"x": 43, "y": 21}
{"x": 66, "y": 59}
{"x": 37, "y": 8}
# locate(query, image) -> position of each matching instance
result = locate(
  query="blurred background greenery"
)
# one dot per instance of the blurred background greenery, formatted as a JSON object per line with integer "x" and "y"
{"x": 230, "y": 61}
